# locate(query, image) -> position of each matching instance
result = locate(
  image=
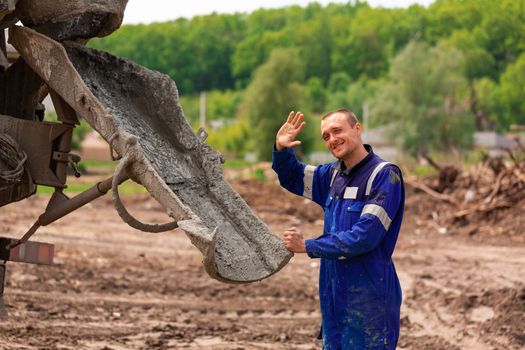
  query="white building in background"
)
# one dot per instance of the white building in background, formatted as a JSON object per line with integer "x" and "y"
{"x": 381, "y": 144}
{"x": 494, "y": 143}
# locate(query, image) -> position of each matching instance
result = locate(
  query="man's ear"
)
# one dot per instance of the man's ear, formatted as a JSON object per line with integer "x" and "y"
{"x": 358, "y": 128}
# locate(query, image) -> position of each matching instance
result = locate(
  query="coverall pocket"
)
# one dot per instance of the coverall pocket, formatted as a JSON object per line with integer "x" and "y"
{"x": 353, "y": 212}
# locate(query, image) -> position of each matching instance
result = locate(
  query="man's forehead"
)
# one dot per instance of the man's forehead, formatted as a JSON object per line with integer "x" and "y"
{"x": 334, "y": 120}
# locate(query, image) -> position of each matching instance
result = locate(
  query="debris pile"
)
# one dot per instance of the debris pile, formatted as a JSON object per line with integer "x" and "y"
{"x": 487, "y": 199}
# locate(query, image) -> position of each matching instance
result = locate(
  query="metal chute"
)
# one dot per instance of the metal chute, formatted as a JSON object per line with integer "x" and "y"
{"x": 137, "y": 112}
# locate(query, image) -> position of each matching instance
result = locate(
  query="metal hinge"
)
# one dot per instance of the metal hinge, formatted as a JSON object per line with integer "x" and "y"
{"x": 70, "y": 158}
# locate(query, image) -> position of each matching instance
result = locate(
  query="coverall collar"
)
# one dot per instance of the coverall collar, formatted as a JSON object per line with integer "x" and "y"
{"x": 341, "y": 167}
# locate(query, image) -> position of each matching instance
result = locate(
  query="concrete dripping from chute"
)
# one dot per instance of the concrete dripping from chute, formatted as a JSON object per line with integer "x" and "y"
{"x": 137, "y": 111}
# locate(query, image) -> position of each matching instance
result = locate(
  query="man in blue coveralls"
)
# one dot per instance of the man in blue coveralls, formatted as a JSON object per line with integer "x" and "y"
{"x": 363, "y": 200}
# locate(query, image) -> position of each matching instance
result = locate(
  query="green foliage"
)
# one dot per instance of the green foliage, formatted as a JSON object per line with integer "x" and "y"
{"x": 233, "y": 163}
{"x": 126, "y": 188}
{"x": 365, "y": 51}
{"x": 229, "y": 137}
{"x": 196, "y": 53}
{"x": 220, "y": 105}
{"x": 339, "y": 81}
{"x": 231, "y": 140}
{"x": 258, "y": 174}
{"x": 487, "y": 100}
{"x": 423, "y": 170}
{"x": 314, "y": 40}
{"x": 223, "y": 104}
{"x": 511, "y": 93}
{"x": 316, "y": 94}
{"x": 504, "y": 101}
{"x": 79, "y": 134}
{"x": 190, "y": 106}
{"x": 354, "y": 96}
{"x": 475, "y": 156}
{"x": 478, "y": 62}
{"x": 424, "y": 99}
{"x": 273, "y": 92}
{"x": 346, "y": 54}
{"x": 97, "y": 164}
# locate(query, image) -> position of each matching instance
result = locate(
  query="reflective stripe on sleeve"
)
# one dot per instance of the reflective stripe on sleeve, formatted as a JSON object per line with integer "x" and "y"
{"x": 308, "y": 181}
{"x": 379, "y": 212}
{"x": 373, "y": 176}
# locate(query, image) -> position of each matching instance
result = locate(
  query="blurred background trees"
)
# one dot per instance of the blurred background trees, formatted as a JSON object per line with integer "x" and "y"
{"x": 426, "y": 99}
{"x": 436, "y": 74}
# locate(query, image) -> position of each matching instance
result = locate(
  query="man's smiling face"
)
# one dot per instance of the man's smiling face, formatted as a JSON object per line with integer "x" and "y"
{"x": 340, "y": 137}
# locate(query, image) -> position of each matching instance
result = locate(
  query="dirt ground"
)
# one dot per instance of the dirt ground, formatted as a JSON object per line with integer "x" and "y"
{"x": 114, "y": 288}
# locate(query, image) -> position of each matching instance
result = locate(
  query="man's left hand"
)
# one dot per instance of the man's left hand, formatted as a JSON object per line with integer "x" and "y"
{"x": 294, "y": 241}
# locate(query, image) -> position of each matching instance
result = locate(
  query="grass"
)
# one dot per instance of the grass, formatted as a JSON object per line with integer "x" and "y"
{"x": 258, "y": 174}
{"x": 236, "y": 164}
{"x": 127, "y": 188}
{"x": 423, "y": 170}
{"x": 89, "y": 164}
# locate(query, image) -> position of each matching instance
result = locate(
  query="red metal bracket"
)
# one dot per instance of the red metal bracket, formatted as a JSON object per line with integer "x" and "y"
{"x": 28, "y": 252}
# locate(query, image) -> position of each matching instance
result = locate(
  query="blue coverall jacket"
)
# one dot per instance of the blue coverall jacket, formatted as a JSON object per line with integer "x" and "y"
{"x": 359, "y": 291}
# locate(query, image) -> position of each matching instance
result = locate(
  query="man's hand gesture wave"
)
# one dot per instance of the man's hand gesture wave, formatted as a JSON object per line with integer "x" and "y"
{"x": 286, "y": 135}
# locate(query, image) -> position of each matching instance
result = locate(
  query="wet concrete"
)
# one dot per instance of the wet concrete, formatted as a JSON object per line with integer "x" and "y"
{"x": 84, "y": 26}
{"x": 67, "y": 19}
{"x": 145, "y": 104}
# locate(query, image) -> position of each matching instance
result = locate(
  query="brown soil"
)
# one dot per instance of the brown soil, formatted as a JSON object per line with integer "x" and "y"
{"x": 113, "y": 287}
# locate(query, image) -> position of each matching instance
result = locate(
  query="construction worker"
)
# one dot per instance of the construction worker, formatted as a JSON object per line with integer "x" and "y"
{"x": 363, "y": 200}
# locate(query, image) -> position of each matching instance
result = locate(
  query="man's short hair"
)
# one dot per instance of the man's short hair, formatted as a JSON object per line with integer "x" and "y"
{"x": 350, "y": 116}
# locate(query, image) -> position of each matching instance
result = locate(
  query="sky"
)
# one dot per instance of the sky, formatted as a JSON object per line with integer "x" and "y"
{"x": 147, "y": 11}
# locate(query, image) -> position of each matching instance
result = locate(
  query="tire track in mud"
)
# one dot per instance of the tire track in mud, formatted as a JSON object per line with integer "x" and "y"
{"x": 444, "y": 288}
{"x": 252, "y": 308}
{"x": 104, "y": 299}
{"x": 153, "y": 322}
{"x": 117, "y": 288}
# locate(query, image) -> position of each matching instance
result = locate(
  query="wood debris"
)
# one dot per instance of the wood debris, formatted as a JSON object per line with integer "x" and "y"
{"x": 482, "y": 197}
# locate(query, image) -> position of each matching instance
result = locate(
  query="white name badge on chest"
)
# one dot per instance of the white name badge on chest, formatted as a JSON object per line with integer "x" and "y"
{"x": 350, "y": 193}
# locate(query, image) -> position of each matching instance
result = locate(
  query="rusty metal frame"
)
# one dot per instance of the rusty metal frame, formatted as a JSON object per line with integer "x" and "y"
{"x": 40, "y": 141}
{"x": 60, "y": 205}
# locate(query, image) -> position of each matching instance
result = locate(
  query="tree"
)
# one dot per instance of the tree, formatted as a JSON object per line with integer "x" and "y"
{"x": 487, "y": 106}
{"x": 316, "y": 94}
{"x": 365, "y": 50}
{"x": 274, "y": 90}
{"x": 354, "y": 96}
{"x": 425, "y": 99}
{"x": 196, "y": 53}
{"x": 478, "y": 64}
{"x": 314, "y": 39}
{"x": 340, "y": 45}
{"x": 511, "y": 92}
{"x": 339, "y": 81}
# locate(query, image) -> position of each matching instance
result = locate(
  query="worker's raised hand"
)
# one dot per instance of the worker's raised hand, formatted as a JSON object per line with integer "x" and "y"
{"x": 286, "y": 135}
{"x": 294, "y": 241}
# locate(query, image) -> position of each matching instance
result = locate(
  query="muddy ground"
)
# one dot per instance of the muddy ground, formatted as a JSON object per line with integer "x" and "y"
{"x": 114, "y": 288}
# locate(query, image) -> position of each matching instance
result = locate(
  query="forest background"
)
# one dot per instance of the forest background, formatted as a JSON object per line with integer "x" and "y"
{"x": 433, "y": 74}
